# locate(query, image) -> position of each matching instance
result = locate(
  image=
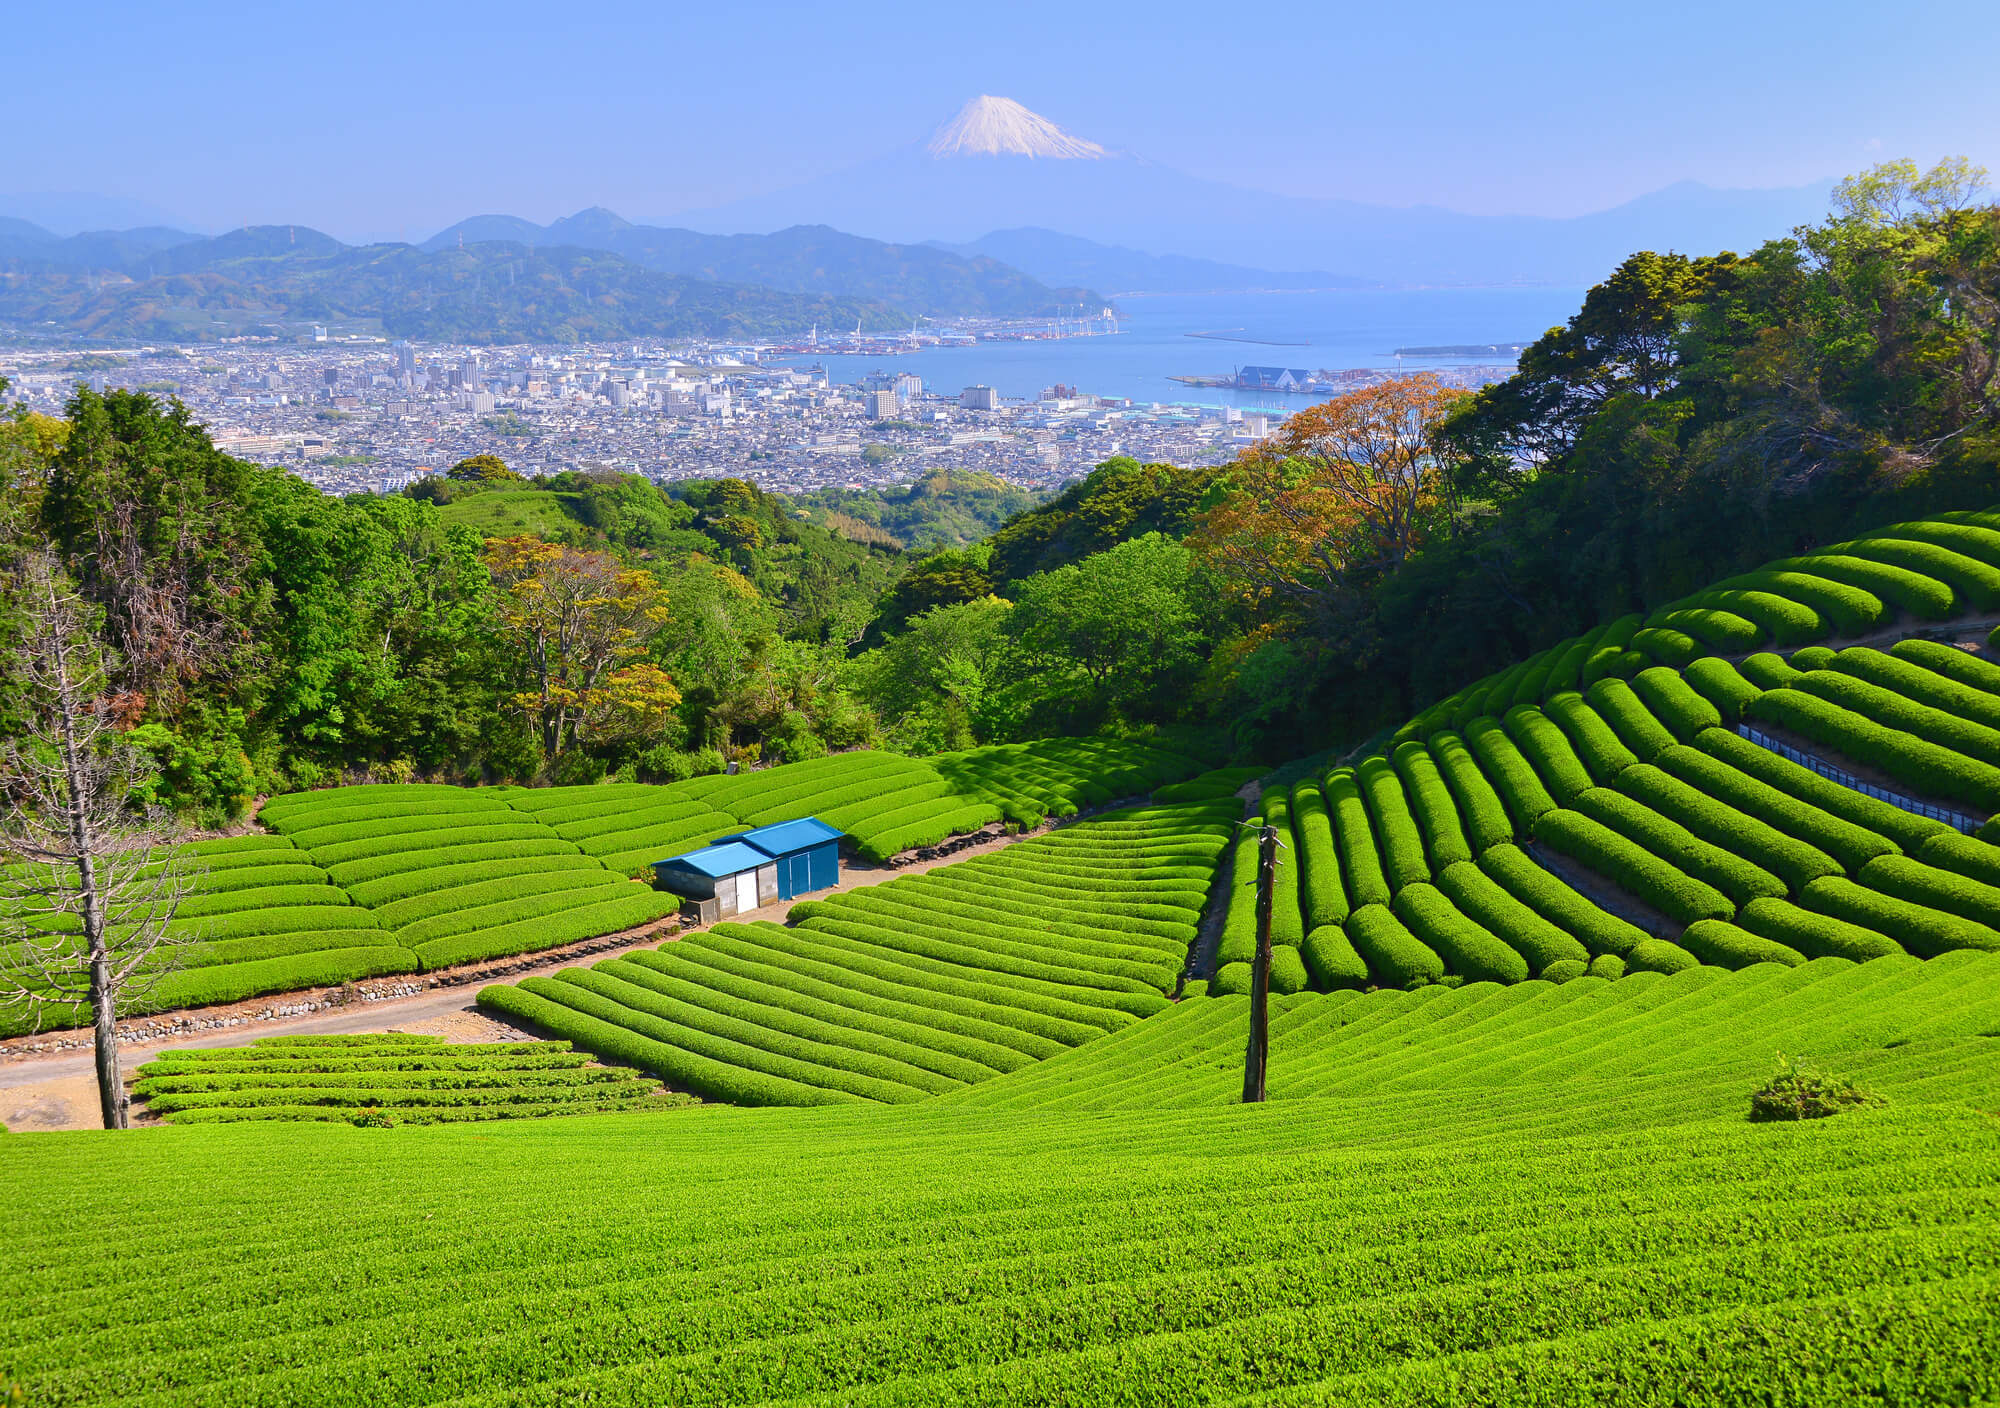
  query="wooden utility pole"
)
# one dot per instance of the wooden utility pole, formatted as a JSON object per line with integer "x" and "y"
{"x": 1260, "y": 971}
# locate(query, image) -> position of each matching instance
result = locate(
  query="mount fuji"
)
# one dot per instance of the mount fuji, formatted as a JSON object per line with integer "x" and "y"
{"x": 998, "y": 166}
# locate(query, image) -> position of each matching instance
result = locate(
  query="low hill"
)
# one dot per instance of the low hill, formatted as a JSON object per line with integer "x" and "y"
{"x": 916, "y": 278}
{"x": 941, "y": 508}
{"x": 287, "y": 277}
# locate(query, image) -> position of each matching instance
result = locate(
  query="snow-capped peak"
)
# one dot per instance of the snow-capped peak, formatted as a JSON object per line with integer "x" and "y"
{"x": 989, "y": 126}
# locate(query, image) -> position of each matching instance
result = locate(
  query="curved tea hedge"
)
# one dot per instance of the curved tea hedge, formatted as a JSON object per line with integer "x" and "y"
{"x": 927, "y": 983}
{"x": 387, "y": 1079}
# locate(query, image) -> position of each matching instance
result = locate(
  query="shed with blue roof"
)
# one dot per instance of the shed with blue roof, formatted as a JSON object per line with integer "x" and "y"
{"x": 736, "y": 878}
{"x": 806, "y": 851}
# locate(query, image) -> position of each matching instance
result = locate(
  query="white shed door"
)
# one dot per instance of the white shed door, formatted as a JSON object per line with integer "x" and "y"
{"x": 746, "y": 891}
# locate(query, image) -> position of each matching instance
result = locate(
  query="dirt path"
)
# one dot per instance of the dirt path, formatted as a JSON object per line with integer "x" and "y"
{"x": 52, "y": 1090}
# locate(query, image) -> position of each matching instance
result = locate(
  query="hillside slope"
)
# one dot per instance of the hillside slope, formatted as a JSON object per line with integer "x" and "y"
{"x": 1524, "y": 1238}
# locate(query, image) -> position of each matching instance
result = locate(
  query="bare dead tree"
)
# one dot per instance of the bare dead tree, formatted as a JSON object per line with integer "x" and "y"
{"x": 90, "y": 885}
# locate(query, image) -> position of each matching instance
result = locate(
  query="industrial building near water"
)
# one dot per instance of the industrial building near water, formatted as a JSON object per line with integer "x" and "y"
{"x": 739, "y": 873}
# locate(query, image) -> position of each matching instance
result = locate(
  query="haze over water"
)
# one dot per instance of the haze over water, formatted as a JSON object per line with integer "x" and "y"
{"x": 1342, "y": 328}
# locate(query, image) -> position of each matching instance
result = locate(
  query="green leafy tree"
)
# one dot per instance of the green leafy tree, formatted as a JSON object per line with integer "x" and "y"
{"x": 1108, "y": 636}
{"x": 482, "y": 469}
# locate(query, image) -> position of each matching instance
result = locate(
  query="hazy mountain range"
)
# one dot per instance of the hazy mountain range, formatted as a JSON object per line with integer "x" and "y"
{"x": 997, "y": 166}
{"x": 1000, "y": 213}
{"x": 497, "y": 278}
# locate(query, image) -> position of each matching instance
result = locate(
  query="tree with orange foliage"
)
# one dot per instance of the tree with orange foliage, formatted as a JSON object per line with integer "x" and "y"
{"x": 1344, "y": 492}
{"x": 580, "y": 623}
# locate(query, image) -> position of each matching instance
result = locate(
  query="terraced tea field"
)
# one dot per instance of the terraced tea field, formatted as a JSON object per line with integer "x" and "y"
{"x": 388, "y": 1079}
{"x": 368, "y": 881}
{"x": 1533, "y": 957}
{"x": 1580, "y": 1228}
{"x": 913, "y": 988}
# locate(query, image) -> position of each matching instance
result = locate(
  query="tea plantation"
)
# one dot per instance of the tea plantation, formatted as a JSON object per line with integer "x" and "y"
{"x": 384, "y": 1080}
{"x": 369, "y": 881}
{"x": 1535, "y": 953}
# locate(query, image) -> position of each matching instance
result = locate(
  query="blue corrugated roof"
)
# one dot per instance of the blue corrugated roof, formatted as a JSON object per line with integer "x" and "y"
{"x": 725, "y": 859}
{"x": 783, "y": 837}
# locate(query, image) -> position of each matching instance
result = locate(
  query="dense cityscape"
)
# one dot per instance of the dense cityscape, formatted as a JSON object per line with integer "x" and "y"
{"x": 369, "y": 415}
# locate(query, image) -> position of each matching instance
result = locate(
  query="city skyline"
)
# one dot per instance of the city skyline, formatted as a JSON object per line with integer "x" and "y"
{"x": 400, "y": 123}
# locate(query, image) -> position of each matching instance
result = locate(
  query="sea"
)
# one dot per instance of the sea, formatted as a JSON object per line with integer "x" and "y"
{"x": 1334, "y": 329}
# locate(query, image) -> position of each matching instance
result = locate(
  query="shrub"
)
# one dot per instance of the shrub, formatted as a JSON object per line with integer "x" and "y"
{"x": 1793, "y": 861}
{"x": 1478, "y": 805}
{"x": 1980, "y": 543}
{"x": 506, "y": 826}
{"x": 1923, "y": 884}
{"x": 1288, "y": 970}
{"x": 1713, "y": 627}
{"x": 1767, "y": 671}
{"x": 1785, "y": 621}
{"x": 1722, "y": 685}
{"x": 1331, "y": 959}
{"x": 1659, "y": 956}
{"x": 1510, "y": 774}
{"x": 1955, "y": 664}
{"x": 1887, "y": 822}
{"x": 432, "y": 917}
{"x": 1322, "y": 896}
{"x": 250, "y": 922}
{"x": 1921, "y": 596}
{"x": 1974, "y": 582}
{"x": 1680, "y": 848}
{"x": 232, "y": 982}
{"x": 1849, "y": 610}
{"x": 1430, "y": 799}
{"x": 408, "y": 884}
{"x": 1563, "y": 971}
{"x": 1394, "y": 955}
{"x": 1466, "y": 947}
{"x": 1630, "y": 719}
{"x": 1609, "y": 966}
{"x": 1890, "y": 706}
{"x": 1544, "y": 745}
{"x": 1567, "y": 670}
{"x": 1674, "y": 703}
{"x": 1602, "y": 663}
{"x": 1797, "y": 1093}
{"x": 1598, "y": 931}
{"x": 1232, "y": 980}
{"x": 1487, "y": 904}
{"x": 1666, "y": 645}
{"x": 1923, "y": 686}
{"x": 1923, "y": 931}
{"x": 1600, "y": 749}
{"x": 1815, "y": 935}
{"x": 350, "y": 873}
{"x": 1287, "y": 921}
{"x": 1967, "y": 855}
{"x": 1591, "y": 843}
{"x": 264, "y": 897}
{"x": 611, "y": 1032}
{"x": 1726, "y": 946}
{"x": 1194, "y": 987}
{"x": 1916, "y": 761}
{"x": 1239, "y": 920}
{"x": 547, "y": 931}
{"x": 1361, "y": 866}
{"x": 1403, "y": 860}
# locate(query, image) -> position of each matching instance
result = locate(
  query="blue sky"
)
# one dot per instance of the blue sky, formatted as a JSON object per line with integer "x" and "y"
{"x": 364, "y": 118}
